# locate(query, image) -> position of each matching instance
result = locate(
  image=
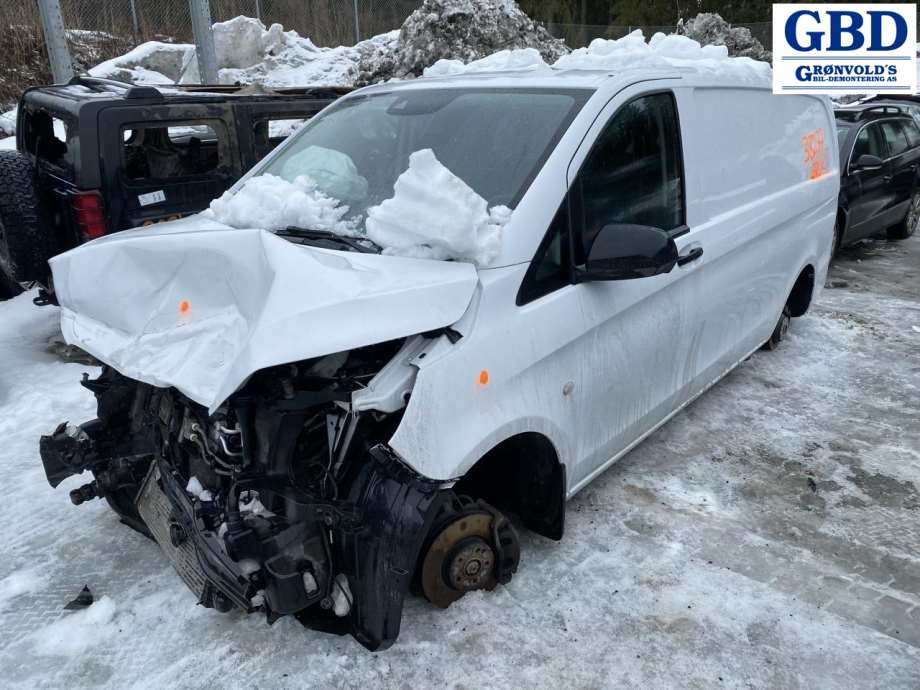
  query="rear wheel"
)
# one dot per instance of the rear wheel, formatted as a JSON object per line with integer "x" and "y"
{"x": 838, "y": 237}
{"x": 25, "y": 245}
{"x": 780, "y": 330}
{"x": 8, "y": 287}
{"x": 911, "y": 222}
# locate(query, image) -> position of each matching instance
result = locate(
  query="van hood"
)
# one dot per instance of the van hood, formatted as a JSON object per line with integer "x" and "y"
{"x": 203, "y": 308}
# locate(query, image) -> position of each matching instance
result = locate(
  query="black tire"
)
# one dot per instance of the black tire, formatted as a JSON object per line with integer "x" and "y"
{"x": 25, "y": 245}
{"x": 838, "y": 236}
{"x": 911, "y": 222}
{"x": 8, "y": 287}
{"x": 779, "y": 331}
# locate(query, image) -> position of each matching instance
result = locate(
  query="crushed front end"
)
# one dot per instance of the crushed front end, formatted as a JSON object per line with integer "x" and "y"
{"x": 286, "y": 500}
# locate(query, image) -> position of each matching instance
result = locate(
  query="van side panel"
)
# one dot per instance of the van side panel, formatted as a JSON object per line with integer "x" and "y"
{"x": 759, "y": 225}
{"x": 762, "y": 185}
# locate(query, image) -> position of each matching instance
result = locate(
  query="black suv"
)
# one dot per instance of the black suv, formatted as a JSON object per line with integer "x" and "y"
{"x": 95, "y": 156}
{"x": 879, "y": 178}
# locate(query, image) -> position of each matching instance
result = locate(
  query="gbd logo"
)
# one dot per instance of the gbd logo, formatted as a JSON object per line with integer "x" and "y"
{"x": 842, "y": 49}
{"x": 846, "y": 30}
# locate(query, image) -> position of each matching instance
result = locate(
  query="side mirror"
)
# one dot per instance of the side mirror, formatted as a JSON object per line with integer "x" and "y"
{"x": 624, "y": 251}
{"x": 868, "y": 162}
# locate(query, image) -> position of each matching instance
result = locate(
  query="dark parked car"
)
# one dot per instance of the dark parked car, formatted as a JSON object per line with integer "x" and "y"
{"x": 96, "y": 156}
{"x": 879, "y": 162}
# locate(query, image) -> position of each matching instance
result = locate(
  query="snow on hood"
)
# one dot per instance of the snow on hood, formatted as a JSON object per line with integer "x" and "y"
{"x": 271, "y": 202}
{"x": 434, "y": 214}
{"x": 630, "y": 52}
{"x": 199, "y": 306}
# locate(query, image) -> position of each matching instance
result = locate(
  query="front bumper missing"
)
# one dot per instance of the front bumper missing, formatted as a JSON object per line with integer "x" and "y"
{"x": 378, "y": 558}
{"x": 196, "y": 555}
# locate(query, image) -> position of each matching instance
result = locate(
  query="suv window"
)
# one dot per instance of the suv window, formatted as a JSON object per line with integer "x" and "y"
{"x": 47, "y": 137}
{"x": 913, "y": 134}
{"x": 894, "y": 135}
{"x": 869, "y": 142}
{"x": 172, "y": 151}
{"x": 633, "y": 175}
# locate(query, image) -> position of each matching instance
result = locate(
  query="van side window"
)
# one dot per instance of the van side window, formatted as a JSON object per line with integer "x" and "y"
{"x": 869, "y": 142}
{"x": 633, "y": 175}
{"x": 894, "y": 135}
{"x": 549, "y": 270}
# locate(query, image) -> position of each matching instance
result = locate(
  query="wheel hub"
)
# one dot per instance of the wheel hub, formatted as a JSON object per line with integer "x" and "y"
{"x": 469, "y": 565}
{"x": 462, "y": 558}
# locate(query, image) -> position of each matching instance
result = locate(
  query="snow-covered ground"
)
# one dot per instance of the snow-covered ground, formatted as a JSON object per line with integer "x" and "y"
{"x": 766, "y": 537}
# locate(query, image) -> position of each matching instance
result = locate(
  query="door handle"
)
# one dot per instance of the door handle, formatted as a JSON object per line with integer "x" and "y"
{"x": 690, "y": 256}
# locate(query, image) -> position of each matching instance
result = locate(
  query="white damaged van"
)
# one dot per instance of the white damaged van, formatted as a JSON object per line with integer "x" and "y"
{"x": 442, "y": 307}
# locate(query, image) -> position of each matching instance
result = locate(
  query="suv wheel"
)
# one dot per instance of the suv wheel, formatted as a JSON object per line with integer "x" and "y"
{"x": 25, "y": 246}
{"x": 911, "y": 222}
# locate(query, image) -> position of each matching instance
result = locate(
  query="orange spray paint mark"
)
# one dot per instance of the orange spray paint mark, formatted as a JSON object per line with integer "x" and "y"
{"x": 184, "y": 307}
{"x": 484, "y": 377}
{"x": 815, "y": 154}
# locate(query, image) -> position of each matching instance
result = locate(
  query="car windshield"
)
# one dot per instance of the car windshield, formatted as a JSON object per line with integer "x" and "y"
{"x": 495, "y": 141}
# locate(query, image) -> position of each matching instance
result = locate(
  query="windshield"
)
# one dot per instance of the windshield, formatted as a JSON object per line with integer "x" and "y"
{"x": 495, "y": 141}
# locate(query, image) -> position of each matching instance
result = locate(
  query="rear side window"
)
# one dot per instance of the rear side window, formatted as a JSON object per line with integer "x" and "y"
{"x": 895, "y": 136}
{"x": 869, "y": 142}
{"x": 633, "y": 175}
{"x": 174, "y": 151}
{"x": 47, "y": 138}
{"x": 913, "y": 134}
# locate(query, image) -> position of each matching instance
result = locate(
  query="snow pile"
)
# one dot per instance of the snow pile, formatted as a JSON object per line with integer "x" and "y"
{"x": 463, "y": 30}
{"x": 20, "y": 582}
{"x": 273, "y": 203}
{"x": 249, "y": 53}
{"x": 663, "y": 51}
{"x": 8, "y": 122}
{"x": 79, "y": 631}
{"x": 708, "y": 28}
{"x": 150, "y": 63}
{"x": 433, "y": 214}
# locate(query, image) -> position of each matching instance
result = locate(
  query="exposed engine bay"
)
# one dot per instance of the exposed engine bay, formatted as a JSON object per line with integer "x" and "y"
{"x": 286, "y": 500}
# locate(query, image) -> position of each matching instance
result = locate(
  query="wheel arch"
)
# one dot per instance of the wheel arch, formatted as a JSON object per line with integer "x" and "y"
{"x": 802, "y": 290}
{"x": 523, "y": 474}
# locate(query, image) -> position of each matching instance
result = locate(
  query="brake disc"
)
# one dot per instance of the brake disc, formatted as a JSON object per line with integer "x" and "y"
{"x": 460, "y": 559}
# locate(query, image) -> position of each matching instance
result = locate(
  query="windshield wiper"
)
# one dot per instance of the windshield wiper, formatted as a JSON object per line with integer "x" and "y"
{"x": 358, "y": 244}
